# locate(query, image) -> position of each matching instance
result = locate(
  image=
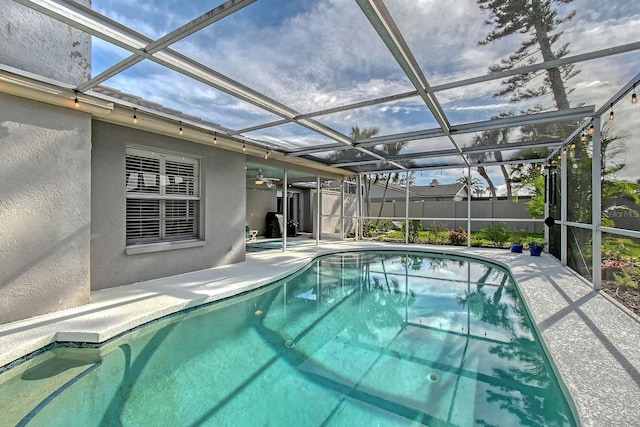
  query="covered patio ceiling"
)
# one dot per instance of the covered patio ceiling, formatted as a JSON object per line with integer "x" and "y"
{"x": 295, "y": 77}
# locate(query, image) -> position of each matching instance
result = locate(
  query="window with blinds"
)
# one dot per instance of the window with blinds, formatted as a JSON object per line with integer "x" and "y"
{"x": 163, "y": 197}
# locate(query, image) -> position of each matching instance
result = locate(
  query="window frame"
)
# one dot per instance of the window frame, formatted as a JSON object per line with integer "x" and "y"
{"x": 188, "y": 189}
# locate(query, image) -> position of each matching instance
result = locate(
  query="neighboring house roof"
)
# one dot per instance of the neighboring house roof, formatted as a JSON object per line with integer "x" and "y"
{"x": 455, "y": 191}
{"x": 440, "y": 190}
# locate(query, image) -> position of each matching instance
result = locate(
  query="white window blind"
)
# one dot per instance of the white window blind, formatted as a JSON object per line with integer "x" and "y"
{"x": 163, "y": 197}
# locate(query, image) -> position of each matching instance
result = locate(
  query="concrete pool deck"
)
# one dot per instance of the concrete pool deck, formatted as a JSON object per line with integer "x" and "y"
{"x": 592, "y": 341}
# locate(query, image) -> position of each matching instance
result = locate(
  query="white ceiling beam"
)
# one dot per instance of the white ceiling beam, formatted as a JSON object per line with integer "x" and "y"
{"x": 376, "y": 12}
{"x": 512, "y": 146}
{"x": 400, "y": 137}
{"x": 508, "y": 162}
{"x": 362, "y": 104}
{"x": 485, "y": 78}
{"x": 425, "y": 154}
{"x": 260, "y": 127}
{"x": 381, "y": 20}
{"x": 506, "y": 122}
{"x": 319, "y": 149}
{"x": 603, "y": 53}
{"x": 184, "y": 31}
{"x": 355, "y": 163}
{"x": 624, "y": 90}
{"x": 102, "y": 27}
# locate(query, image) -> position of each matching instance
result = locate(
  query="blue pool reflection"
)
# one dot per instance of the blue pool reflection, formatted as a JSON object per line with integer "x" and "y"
{"x": 369, "y": 338}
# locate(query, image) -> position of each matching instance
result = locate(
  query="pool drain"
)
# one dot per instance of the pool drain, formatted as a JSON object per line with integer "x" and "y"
{"x": 433, "y": 377}
{"x": 289, "y": 344}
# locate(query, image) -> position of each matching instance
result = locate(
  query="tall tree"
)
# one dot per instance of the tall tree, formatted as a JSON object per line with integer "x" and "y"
{"x": 389, "y": 150}
{"x": 364, "y": 133}
{"x": 488, "y": 138}
{"x": 485, "y": 138}
{"x": 348, "y": 155}
{"x": 356, "y": 134}
{"x": 538, "y": 21}
{"x": 473, "y": 187}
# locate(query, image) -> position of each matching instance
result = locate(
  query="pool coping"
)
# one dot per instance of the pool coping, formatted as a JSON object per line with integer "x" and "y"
{"x": 590, "y": 339}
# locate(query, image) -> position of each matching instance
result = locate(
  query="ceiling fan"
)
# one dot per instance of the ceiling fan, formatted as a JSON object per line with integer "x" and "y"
{"x": 261, "y": 179}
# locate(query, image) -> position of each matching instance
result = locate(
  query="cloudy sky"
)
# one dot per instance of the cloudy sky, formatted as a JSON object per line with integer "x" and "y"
{"x": 316, "y": 54}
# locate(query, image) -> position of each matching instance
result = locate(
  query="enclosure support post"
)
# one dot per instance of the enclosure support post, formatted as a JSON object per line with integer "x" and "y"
{"x": 406, "y": 208}
{"x": 342, "y": 209}
{"x": 596, "y": 208}
{"x": 468, "y": 206}
{"x": 563, "y": 209}
{"x": 547, "y": 200}
{"x": 285, "y": 211}
{"x": 359, "y": 207}
{"x": 318, "y": 207}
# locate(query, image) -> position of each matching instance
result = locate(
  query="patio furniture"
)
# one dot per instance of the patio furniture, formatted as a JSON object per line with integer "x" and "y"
{"x": 251, "y": 234}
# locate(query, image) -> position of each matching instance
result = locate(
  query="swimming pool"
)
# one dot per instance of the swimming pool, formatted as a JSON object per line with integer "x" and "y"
{"x": 369, "y": 338}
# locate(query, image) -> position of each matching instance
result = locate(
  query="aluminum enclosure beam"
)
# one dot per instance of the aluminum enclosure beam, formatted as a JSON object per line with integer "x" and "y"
{"x": 381, "y": 20}
{"x": 100, "y": 26}
{"x": 186, "y": 30}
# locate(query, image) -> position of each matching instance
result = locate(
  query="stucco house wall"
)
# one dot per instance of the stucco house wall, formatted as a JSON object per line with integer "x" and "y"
{"x": 45, "y": 190}
{"x": 35, "y": 43}
{"x": 223, "y": 217}
{"x": 259, "y": 202}
{"x": 331, "y": 210}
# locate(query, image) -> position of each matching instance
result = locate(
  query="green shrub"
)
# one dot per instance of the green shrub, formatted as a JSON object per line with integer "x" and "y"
{"x": 518, "y": 236}
{"x": 497, "y": 233}
{"x": 369, "y": 229}
{"x": 437, "y": 233}
{"x": 625, "y": 279}
{"x": 384, "y": 225}
{"x": 414, "y": 230}
{"x": 536, "y": 241}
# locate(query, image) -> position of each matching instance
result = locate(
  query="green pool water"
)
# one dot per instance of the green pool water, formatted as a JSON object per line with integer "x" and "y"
{"x": 355, "y": 339}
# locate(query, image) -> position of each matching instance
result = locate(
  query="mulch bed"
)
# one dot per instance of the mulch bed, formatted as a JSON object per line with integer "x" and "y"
{"x": 627, "y": 296}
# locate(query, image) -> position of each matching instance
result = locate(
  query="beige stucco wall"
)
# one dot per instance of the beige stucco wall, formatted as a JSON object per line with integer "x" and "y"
{"x": 223, "y": 194}
{"x": 259, "y": 202}
{"x": 35, "y": 43}
{"x": 45, "y": 188}
{"x": 331, "y": 212}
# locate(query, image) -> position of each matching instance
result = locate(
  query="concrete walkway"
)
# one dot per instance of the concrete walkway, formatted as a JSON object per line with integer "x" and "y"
{"x": 592, "y": 341}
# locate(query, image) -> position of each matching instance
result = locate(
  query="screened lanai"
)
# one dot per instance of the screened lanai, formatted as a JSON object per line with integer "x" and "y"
{"x": 536, "y": 96}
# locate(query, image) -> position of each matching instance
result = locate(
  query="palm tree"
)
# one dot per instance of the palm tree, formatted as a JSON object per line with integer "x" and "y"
{"x": 349, "y": 155}
{"x": 484, "y": 139}
{"x": 494, "y": 137}
{"x": 389, "y": 150}
{"x": 472, "y": 186}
